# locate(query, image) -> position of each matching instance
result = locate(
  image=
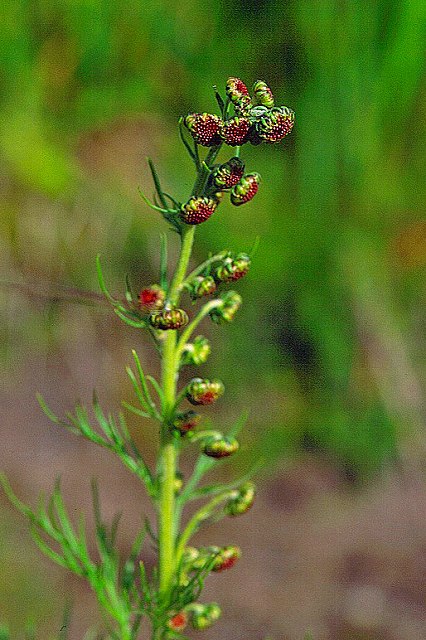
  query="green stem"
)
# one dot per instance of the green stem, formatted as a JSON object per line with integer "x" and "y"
{"x": 168, "y": 454}
{"x": 200, "y": 516}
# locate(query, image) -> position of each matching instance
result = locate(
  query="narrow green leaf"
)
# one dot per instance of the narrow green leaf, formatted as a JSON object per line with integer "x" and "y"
{"x": 137, "y": 324}
{"x": 151, "y": 204}
{"x": 163, "y": 262}
{"x": 46, "y": 409}
{"x": 184, "y": 141}
{"x": 157, "y": 184}
{"x": 101, "y": 282}
{"x": 135, "y": 410}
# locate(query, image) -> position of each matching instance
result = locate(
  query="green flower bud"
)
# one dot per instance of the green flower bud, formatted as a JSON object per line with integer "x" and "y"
{"x": 233, "y": 268}
{"x": 231, "y": 302}
{"x": 186, "y": 421}
{"x": 196, "y": 352}
{"x": 228, "y": 174}
{"x": 246, "y": 189}
{"x": 203, "y": 616}
{"x": 220, "y": 446}
{"x": 243, "y": 501}
{"x": 201, "y": 286}
{"x": 263, "y": 94}
{"x": 168, "y": 319}
{"x": 201, "y": 391}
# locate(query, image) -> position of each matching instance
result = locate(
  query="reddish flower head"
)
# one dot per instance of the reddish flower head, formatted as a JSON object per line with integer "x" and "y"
{"x": 235, "y": 131}
{"x": 197, "y": 210}
{"x": 178, "y": 622}
{"x": 151, "y": 298}
{"x": 204, "y": 128}
{"x": 275, "y": 125}
{"x": 246, "y": 189}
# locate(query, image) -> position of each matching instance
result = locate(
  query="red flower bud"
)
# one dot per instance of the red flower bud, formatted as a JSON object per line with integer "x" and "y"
{"x": 229, "y": 174}
{"x": 204, "y": 128}
{"x": 246, "y": 189}
{"x": 226, "y": 558}
{"x": 168, "y": 319}
{"x": 275, "y": 125}
{"x": 178, "y": 622}
{"x": 151, "y": 298}
{"x": 236, "y": 89}
{"x": 235, "y": 131}
{"x": 197, "y": 210}
{"x": 201, "y": 391}
{"x": 186, "y": 421}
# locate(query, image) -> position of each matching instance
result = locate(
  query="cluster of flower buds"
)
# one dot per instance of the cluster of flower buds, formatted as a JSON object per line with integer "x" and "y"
{"x": 230, "y": 303}
{"x": 186, "y": 421}
{"x": 219, "y": 446}
{"x": 256, "y": 119}
{"x": 151, "y": 298}
{"x": 232, "y": 268}
{"x": 201, "y": 391}
{"x": 204, "y": 615}
{"x": 166, "y": 319}
{"x": 242, "y": 501}
{"x": 196, "y": 352}
{"x": 201, "y": 286}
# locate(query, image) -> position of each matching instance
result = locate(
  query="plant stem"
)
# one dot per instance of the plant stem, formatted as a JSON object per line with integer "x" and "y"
{"x": 168, "y": 453}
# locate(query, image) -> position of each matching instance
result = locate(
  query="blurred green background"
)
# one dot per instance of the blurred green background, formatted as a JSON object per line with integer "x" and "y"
{"x": 329, "y": 350}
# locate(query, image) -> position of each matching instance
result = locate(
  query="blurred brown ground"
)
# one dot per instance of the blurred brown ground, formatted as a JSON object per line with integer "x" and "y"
{"x": 319, "y": 553}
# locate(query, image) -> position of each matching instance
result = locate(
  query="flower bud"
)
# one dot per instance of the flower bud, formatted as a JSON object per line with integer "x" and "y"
{"x": 201, "y": 391}
{"x": 220, "y": 446}
{"x": 151, "y": 298}
{"x": 186, "y": 421}
{"x": 226, "y": 558}
{"x": 243, "y": 501}
{"x": 204, "y": 128}
{"x": 168, "y": 319}
{"x": 197, "y": 210}
{"x": 233, "y": 268}
{"x": 231, "y": 302}
{"x": 275, "y": 125}
{"x": 235, "y": 132}
{"x": 238, "y": 94}
{"x": 246, "y": 189}
{"x": 201, "y": 286}
{"x": 263, "y": 94}
{"x": 190, "y": 555}
{"x": 204, "y": 615}
{"x": 178, "y": 622}
{"x": 196, "y": 352}
{"x": 228, "y": 174}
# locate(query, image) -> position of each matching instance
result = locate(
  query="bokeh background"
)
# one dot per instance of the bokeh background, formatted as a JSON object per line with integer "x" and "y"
{"x": 329, "y": 349}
